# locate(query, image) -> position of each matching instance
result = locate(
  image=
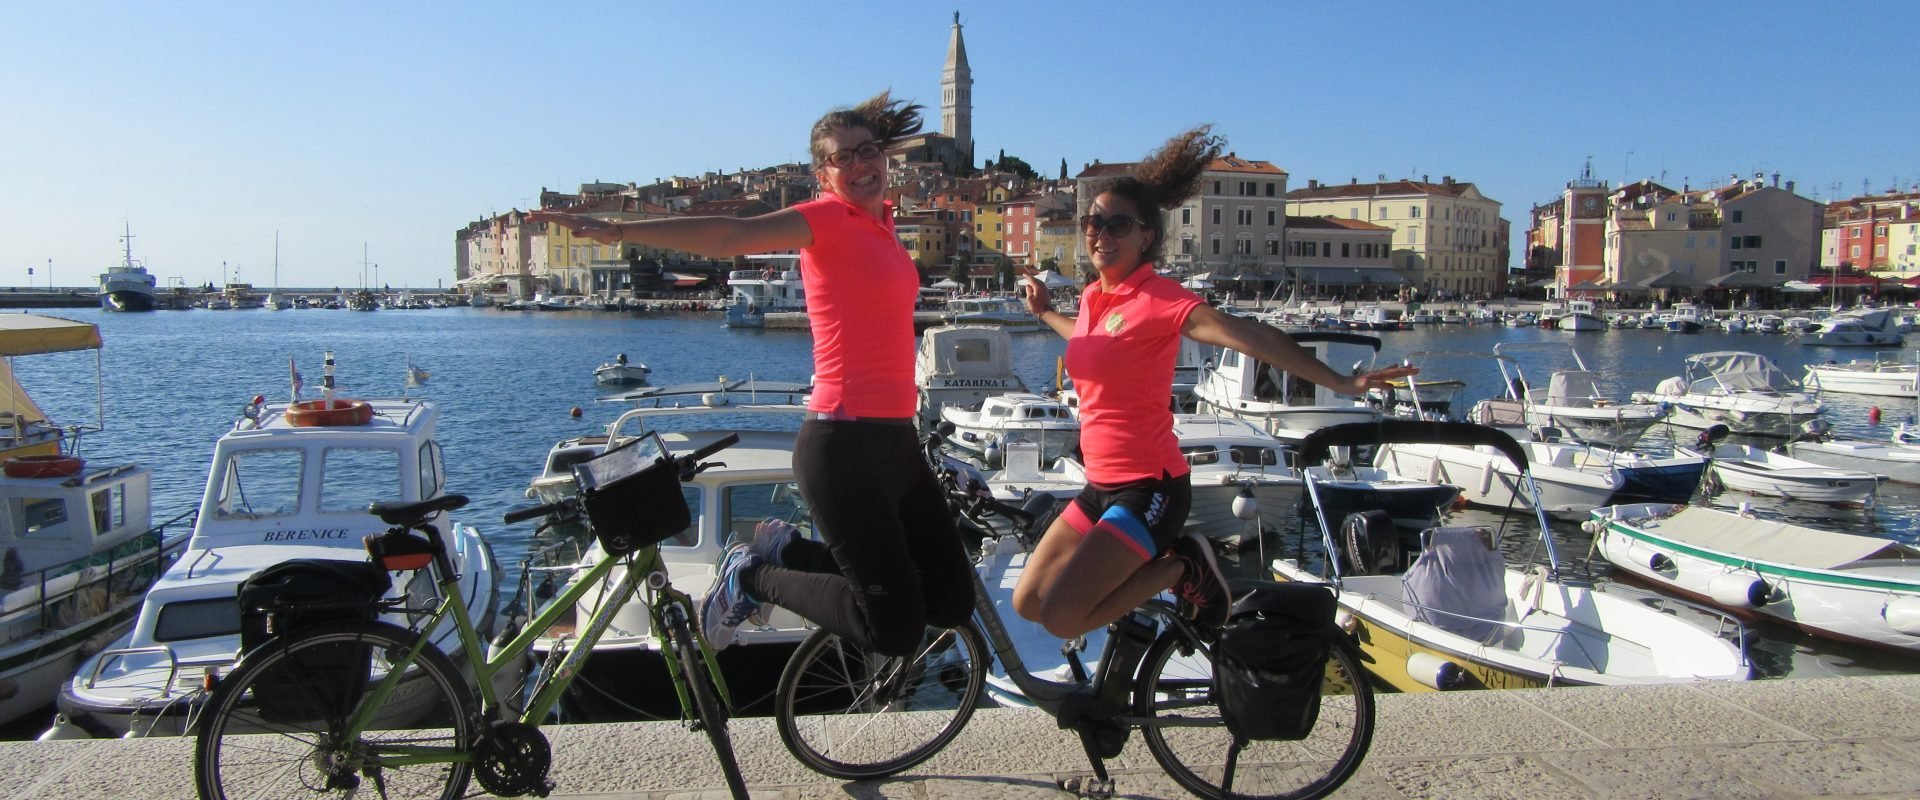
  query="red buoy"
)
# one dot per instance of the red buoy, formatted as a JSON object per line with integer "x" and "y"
{"x": 575, "y": 413}
{"x": 1873, "y": 415}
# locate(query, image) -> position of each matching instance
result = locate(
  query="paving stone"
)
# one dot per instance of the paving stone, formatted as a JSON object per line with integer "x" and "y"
{"x": 1431, "y": 724}
{"x": 1844, "y": 708}
{"x": 1476, "y": 778}
{"x": 1739, "y": 772}
{"x": 1678, "y": 714}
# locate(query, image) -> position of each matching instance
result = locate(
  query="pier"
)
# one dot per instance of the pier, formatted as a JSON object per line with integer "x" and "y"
{"x": 1829, "y": 737}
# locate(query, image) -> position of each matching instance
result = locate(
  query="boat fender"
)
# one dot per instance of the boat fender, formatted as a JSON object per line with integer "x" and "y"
{"x": 1246, "y": 506}
{"x": 329, "y": 413}
{"x": 1902, "y": 613}
{"x": 1659, "y": 562}
{"x": 63, "y": 728}
{"x": 991, "y": 452}
{"x": 1739, "y": 590}
{"x": 1486, "y": 478}
{"x": 1435, "y": 672}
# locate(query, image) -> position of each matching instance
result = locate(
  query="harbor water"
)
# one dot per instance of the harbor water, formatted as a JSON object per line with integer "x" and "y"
{"x": 507, "y": 382}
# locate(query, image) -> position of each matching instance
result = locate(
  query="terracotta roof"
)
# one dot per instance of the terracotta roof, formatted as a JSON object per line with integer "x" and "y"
{"x": 1234, "y": 163}
{"x": 1401, "y": 188}
{"x": 1107, "y": 170}
{"x": 1634, "y": 223}
{"x": 727, "y": 208}
{"x": 1334, "y": 223}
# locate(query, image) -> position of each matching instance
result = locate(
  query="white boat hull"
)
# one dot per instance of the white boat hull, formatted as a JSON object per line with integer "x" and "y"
{"x": 1852, "y": 603}
{"x": 1900, "y": 463}
{"x": 1744, "y": 416}
{"x": 1487, "y": 478}
{"x": 1581, "y": 322}
{"x": 1755, "y": 471}
{"x": 1554, "y": 634}
{"x": 1879, "y": 383}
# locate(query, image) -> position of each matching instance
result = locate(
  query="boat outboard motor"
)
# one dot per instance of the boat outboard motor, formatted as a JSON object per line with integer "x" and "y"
{"x": 1813, "y": 430}
{"x": 1369, "y": 544}
{"x": 1714, "y": 435}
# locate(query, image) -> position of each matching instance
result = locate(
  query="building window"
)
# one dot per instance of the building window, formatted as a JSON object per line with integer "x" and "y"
{"x": 1186, "y": 216}
{"x": 1273, "y": 247}
{"x": 1270, "y": 188}
{"x": 1880, "y": 251}
{"x": 1780, "y": 267}
{"x": 1733, "y": 242}
{"x": 1671, "y": 215}
{"x": 1739, "y": 216}
{"x": 1216, "y": 245}
{"x": 1244, "y": 216}
{"x": 1880, "y": 231}
{"x": 1415, "y": 213}
{"x": 1216, "y": 216}
{"x": 1243, "y": 247}
{"x": 1216, "y": 187}
{"x": 1856, "y": 251}
{"x": 1186, "y": 245}
{"x": 1753, "y": 243}
{"x": 1273, "y": 217}
{"x": 1383, "y": 212}
{"x": 1343, "y": 250}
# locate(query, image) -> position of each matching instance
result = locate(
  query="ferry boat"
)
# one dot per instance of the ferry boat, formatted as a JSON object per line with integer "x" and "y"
{"x": 242, "y": 296}
{"x": 128, "y": 287}
{"x": 1008, "y": 313}
{"x": 770, "y": 284}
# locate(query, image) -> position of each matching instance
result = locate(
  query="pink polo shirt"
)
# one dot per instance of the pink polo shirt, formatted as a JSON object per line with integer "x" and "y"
{"x": 861, "y": 287}
{"x": 1121, "y": 358}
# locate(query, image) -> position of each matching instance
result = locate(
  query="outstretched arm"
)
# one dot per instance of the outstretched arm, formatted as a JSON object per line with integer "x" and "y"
{"x": 1040, "y": 304}
{"x": 717, "y": 237}
{"x": 1266, "y": 343}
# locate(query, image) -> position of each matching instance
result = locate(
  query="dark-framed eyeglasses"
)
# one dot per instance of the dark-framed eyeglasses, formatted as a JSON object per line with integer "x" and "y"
{"x": 1116, "y": 226}
{"x": 865, "y": 151}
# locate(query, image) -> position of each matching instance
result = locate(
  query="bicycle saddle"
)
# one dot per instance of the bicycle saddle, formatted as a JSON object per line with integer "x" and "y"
{"x": 415, "y": 513}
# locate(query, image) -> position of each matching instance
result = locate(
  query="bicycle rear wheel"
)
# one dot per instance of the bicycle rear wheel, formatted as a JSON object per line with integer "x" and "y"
{"x": 850, "y": 713}
{"x": 274, "y": 727}
{"x": 1189, "y": 737}
{"x": 709, "y": 714}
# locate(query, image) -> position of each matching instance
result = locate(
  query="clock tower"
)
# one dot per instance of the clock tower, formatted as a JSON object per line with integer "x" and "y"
{"x": 956, "y": 94}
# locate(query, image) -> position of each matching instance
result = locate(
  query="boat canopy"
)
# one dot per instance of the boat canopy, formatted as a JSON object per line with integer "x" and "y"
{"x": 1313, "y": 448}
{"x": 1768, "y": 541}
{"x": 31, "y": 334}
{"x": 1735, "y": 371}
{"x": 965, "y": 351}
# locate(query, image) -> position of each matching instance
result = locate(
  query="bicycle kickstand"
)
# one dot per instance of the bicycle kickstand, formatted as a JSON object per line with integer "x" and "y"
{"x": 1098, "y": 786}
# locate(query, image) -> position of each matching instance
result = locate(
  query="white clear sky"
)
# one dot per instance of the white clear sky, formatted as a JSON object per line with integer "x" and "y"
{"x": 210, "y": 126}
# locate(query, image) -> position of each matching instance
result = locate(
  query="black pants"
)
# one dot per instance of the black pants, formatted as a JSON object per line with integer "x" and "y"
{"x": 891, "y": 562}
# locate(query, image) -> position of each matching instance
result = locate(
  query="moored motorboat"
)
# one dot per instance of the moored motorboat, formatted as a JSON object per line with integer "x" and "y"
{"x": 1858, "y": 329}
{"x": 1884, "y": 376}
{"x": 1581, "y": 316}
{"x": 1572, "y": 403}
{"x": 288, "y": 481}
{"x": 961, "y": 366}
{"x": 1759, "y": 471}
{"x": 1844, "y": 586}
{"x": 1005, "y": 419}
{"x": 1287, "y": 405}
{"x": 1897, "y": 459}
{"x": 1460, "y": 617}
{"x": 1745, "y": 391}
{"x": 128, "y": 286}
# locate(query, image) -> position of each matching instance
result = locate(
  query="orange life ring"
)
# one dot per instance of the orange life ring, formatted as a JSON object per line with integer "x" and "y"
{"x": 52, "y": 466}
{"x": 329, "y": 413}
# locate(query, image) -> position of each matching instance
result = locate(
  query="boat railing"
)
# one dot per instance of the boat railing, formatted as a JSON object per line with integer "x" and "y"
{"x": 127, "y": 570}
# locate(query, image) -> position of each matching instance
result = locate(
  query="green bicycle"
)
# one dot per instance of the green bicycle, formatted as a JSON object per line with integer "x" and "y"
{"x": 340, "y": 708}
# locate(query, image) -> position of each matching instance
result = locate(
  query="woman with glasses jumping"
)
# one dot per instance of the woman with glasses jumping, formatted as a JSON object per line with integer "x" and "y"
{"x": 1120, "y": 541}
{"x": 892, "y": 562}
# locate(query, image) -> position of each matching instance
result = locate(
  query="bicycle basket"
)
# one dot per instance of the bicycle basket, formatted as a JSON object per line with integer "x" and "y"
{"x": 1271, "y": 659}
{"x": 302, "y": 593}
{"x": 632, "y": 495}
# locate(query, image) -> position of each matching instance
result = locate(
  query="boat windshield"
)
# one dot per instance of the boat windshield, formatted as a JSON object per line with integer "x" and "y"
{"x": 1736, "y": 372}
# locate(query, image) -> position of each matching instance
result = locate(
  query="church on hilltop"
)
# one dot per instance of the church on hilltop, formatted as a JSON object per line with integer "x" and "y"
{"x": 952, "y": 147}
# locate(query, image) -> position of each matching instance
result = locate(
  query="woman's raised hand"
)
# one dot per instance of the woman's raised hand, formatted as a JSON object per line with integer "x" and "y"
{"x": 1039, "y": 298}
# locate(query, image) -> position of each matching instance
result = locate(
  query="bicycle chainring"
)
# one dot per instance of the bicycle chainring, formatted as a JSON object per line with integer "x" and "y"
{"x": 512, "y": 760}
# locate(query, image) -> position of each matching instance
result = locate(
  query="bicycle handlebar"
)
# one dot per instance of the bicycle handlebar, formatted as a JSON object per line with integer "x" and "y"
{"x": 686, "y": 465}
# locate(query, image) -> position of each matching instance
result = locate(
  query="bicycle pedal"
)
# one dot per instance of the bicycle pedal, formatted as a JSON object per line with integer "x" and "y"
{"x": 1087, "y": 786}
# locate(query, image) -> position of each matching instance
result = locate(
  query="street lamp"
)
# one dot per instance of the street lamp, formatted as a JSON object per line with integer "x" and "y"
{"x": 49, "y": 274}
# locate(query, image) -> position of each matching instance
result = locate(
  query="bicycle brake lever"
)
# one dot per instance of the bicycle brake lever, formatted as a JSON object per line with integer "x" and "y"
{"x": 688, "y": 473}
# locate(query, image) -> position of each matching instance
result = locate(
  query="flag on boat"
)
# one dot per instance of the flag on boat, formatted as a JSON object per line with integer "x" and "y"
{"x": 295, "y": 372}
{"x": 416, "y": 376}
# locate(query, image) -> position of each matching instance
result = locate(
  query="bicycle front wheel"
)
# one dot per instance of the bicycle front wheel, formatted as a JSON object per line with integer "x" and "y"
{"x": 276, "y": 725}
{"x": 1188, "y": 736}
{"x": 850, "y": 713}
{"x": 710, "y": 714}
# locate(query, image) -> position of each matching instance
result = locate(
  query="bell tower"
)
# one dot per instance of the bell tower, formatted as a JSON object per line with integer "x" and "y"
{"x": 956, "y": 94}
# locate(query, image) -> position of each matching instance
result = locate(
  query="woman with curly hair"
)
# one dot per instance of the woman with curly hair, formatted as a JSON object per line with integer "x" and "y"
{"x": 891, "y": 562}
{"x": 1120, "y": 541}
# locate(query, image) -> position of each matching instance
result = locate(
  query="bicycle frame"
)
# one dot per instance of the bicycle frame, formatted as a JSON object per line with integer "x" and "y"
{"x": 642, "y": 563}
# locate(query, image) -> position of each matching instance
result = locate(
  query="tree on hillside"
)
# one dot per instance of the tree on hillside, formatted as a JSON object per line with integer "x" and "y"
{"x": 1063, "y": 169}
{"x": 1015, "y": 165}
{"x": 1003, "y": 269}
{"x": 958, "y": 273}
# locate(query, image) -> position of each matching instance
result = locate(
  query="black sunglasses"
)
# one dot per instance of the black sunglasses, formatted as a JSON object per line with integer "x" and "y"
{"x": 865, "y": 151}
{"x": 1116, "y": 226}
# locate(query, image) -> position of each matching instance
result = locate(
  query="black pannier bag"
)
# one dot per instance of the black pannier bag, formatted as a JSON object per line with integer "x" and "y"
{"x": 322, "y": 681}
{"x": 1271, "y": 659}
{"x": 632, "y": 495}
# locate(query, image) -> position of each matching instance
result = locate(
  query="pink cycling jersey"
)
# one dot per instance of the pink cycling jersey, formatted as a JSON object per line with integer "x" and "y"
{"x": 861, "y": 287}
{"x": 1121, "y": 358}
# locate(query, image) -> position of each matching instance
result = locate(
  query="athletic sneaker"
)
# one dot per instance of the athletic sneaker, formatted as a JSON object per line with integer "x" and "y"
{"x": 1201, "y": 592}
{"x": 770, "y": 540}
{"x": 728, "y": 604}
